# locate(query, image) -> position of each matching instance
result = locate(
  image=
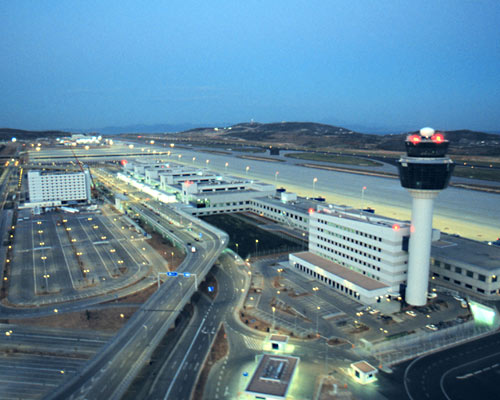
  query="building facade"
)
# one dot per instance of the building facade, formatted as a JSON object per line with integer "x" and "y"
{"x": 58, "y": 188}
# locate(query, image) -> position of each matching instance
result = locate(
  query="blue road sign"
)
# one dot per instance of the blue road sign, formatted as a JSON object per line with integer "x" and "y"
{"x": 245, "y": 373}
{"x": 201, "y": 235}
{"x": 187, "y": 274}
{"x": 210, "y": 288}
{"x": 172, "y": 274}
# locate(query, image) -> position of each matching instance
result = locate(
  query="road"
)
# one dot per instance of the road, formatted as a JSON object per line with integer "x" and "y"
{"x": 109, "y": 374}
{"x": 460, "y": 373}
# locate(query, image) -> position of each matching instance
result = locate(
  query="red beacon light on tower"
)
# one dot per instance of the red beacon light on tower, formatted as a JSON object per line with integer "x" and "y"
{"x": 437, "y": 138}
{"x": 415, "y": 139}
{"x": 395, "y": 227}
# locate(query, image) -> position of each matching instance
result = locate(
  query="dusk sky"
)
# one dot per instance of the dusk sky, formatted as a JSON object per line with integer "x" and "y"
{"x": 395, "y": 65}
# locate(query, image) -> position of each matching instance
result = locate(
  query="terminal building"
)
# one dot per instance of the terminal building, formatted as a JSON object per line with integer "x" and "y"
{"x": 50, "y": 189}
{"x": 466, "y": 265}
{"x": 360, "y": 254}
{"x": 357, "y": 253}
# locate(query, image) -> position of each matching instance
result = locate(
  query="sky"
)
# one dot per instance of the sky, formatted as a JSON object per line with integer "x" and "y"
{"x": 384, "y": 64}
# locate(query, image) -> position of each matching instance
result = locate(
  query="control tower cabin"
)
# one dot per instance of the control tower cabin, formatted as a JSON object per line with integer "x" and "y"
{"x": 424, "y": 171}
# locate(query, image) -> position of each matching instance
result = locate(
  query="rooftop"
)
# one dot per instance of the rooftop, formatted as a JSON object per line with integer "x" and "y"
{"x": 300, "y": 205}
{"x": 363, "y": 366}
{"x": 341, "y": 271}
{"x": 273, "y": 375}
{"x": 466, "y": 252}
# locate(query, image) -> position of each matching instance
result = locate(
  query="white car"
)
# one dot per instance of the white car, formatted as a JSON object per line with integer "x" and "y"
{"x": 464, "y": 304}
{"x": 458, "y": 298}
{"x": 431, "y": 295}
{"x": 432, "y": 327}
{"x": 374, "y": 311}
{"x": 411, "y": 313}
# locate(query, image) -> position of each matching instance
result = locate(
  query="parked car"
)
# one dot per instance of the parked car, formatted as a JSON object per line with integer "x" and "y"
{"x": 411, "y": 313}
{"x": 431, "y": 295}
{"x": 432, "y": 327}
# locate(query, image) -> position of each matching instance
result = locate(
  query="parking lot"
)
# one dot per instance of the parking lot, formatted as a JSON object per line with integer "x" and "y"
{"x": 61, "y": 256}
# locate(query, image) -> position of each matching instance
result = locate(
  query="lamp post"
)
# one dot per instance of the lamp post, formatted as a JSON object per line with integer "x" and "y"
{"x": 237, "y": 249}
{"x": 194, "y": 159}
{"x": 246, "y": 170}
{"x": 256, "y": 246}
{"x": 276, "y": 178}
{"x": 280, "y": 270}
{"x": 206, "y": 162}
{"x": 225, "y": 167}
{"x": 314, "y": 186}
{"x": 274, "y": 309}
{"x": 172, "y": 259}
{"x": 317, "y": 315}
{"x": 363, "y": 197}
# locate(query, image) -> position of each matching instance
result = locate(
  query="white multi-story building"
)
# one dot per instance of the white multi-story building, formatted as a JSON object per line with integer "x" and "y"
{"x": 358, "y": 253}
{"x": 48, "y": 189}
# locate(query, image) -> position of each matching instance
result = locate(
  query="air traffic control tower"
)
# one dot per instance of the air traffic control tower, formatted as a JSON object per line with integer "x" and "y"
{"x": 424, "y": 171}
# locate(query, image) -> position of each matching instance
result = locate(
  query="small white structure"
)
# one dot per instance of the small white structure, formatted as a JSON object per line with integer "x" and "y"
{"x": 363, "y": 372}
{"x": 278, "y": 342}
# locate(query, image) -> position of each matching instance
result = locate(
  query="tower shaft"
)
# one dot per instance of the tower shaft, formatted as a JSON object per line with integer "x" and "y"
{"x": 420, "y": 246}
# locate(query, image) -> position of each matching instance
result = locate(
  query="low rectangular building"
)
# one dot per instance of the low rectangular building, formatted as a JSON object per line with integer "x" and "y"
{"x": 272, "y": 378}
{"x": 470, "y": 266}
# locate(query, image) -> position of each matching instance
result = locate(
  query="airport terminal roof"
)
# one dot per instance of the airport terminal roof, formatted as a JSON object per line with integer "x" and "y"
{"x": 462, "y": 251}
{"x": 341, "y": 271}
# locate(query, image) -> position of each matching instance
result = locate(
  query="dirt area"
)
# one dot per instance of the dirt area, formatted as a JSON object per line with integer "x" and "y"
{"x": 106, "y": 320}
{"x": 218, "y": 351}
{"x": 254, "y": 323}
{"x": 336, "y": 341}
{"x": 330, "y": 392}
{"x": 165, "y": 249}
{"x": 110, "y": 320}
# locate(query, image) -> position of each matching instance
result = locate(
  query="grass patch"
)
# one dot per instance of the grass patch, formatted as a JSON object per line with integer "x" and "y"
{"x": 245, "y": 234}
{"x": 333, "y": 158}
{"x": 488, "y": 174}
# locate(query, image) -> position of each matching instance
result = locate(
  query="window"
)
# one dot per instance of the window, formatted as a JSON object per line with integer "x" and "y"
{"x": 468, "y": 286}
{"x": 470, "y": 274}
{"x": 447, "y": 267}
{"x": 480, "y": 290}
{"x": 458, "y": 270}
{"x": 482, "y": 278}
{"x": 457, "y": 282}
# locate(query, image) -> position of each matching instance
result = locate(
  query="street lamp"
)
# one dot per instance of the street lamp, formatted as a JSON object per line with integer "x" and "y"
{"x": 317, "y": 315}
{"x": 363, "y": 197}
{"x": 314, "y": 186}
{"x": 172, "y": 259}
{"x": 274, "y": 309}
{"x": 280, "y": 270}
{"x": 194, "y": 159}
{"x": 206, "y": 162}
{"x": 276, "y": 178}
{"x": 246, "y": 170}
{"x": 237, "y": 249}
{"x": 225, "y": 167}
{"x": 256, "y": 246}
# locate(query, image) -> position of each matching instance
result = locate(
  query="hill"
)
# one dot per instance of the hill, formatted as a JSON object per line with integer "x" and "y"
{"x": 314, "y": 136}
{"x": 8, "y": 134}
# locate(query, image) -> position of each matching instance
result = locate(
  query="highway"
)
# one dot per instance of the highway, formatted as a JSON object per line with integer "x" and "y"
{"x": 109, "y": 374}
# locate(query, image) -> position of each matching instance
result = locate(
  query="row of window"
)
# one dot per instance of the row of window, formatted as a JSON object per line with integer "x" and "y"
{"x": 343, "y": 246}
{"x": 348, "y": 239}
{"x": 278, "y": 211}
{"x": 351, "y": 230}
{"x": 466, "y": 285}
{"x": 459, "y": 270}
{"x": 341, "y": 262}
{"x": 328, "y": 281}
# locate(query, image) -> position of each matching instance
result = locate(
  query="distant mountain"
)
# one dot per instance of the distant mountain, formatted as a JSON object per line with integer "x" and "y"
{"x": 321, "y": 136}
{"x": 143, "y": 128}
{"x": 8, "y": 134}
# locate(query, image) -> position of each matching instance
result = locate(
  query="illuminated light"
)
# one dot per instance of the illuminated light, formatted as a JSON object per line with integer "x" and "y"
{"x": 482, "y": 314}
{"x": 123, "y": 162}
{"x": 310, "y": 211}
{"x": 415, "y": 139}
{"x": 396, "y": 227}
{"x": 437, "y": 138}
